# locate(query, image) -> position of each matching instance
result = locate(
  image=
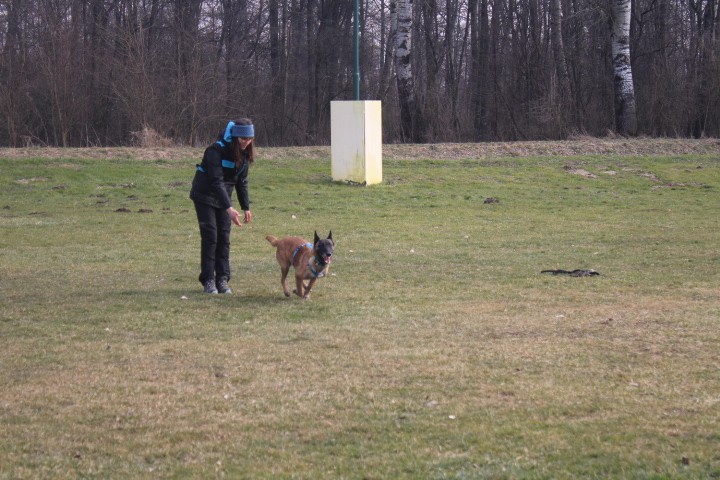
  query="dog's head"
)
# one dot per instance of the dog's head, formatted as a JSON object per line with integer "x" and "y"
{"x": 324, "y": 248}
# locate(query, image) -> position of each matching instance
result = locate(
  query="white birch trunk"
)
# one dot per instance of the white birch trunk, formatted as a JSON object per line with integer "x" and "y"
{"x": 403, "y": 70}
{"x": 625, "y": 115}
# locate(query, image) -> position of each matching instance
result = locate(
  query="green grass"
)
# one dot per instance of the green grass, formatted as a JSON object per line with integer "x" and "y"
{"x": 435, "y": 349}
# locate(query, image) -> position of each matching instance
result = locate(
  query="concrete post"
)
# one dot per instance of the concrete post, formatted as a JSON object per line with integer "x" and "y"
{"x": 356, "y": 141}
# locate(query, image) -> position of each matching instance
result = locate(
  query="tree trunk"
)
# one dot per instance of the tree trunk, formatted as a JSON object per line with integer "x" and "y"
{"x": 276, "y": 91}
{"x": 11, "y": 78}
{"x": 707, "y": 76}
{"x": 453, "y": 61}
{"x": 187, "y": 19}
{"x": 387, "y": 35}
{"x": 564, "y": 93}
{"x": 312, "y": 87}
{"x": 403, "y": 68}
{"x": 625, "y": 115}
{"x": 429, "y": 84}
{"x": 479, "y": 66}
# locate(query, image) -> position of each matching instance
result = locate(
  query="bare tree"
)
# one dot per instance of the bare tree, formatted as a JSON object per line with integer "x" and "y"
{"x": 706, "y": 65}
{"x": 311, "y": 130}
{"x": 558, "y": 48}
{"x": 403, "y": 12}
{"x": 455, "y": 46}
{"x": 12, "y": 74}
{"x": 388, "y": 24}
{"x": 429, "y": 59}
{"x": 277, "y": 90}
{"x": 625, "y": 115}
{"x": 479, "y": 76}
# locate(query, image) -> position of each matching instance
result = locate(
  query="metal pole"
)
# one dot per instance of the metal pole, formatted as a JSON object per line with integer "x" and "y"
{"x": 356, "y": 76}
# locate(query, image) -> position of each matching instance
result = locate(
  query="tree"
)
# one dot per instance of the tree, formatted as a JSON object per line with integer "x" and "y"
{"x": 277, "y": 90}
{"x": 403, "y": 12}
{"x": 707, "y": 68}
{"x": 12, "y": 67}
{"x": 625, "y": 114}
{"x": 565, "y": 94}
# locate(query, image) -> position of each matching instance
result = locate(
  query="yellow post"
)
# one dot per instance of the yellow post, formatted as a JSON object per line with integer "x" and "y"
{"x": 356, "y": 141}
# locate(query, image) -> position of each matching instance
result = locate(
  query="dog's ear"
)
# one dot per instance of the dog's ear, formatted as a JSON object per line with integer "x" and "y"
{"x": 330, "y": 235}
{"x": 317, "y": 238}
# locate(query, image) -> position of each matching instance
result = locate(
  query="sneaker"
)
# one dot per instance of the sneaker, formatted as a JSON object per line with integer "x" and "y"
{"x": 209, "y": 287}
{"x": 222, "y": 286}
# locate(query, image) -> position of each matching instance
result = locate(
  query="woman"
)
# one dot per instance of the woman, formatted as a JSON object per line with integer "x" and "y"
{"x": 224, "y": 167}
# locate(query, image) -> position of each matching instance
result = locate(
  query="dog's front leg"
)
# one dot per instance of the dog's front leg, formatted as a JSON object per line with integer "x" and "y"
{"x": 309, "y": 286}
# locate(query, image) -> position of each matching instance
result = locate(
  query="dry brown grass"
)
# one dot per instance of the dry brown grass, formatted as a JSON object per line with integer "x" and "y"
{"x": 158, "y": 149}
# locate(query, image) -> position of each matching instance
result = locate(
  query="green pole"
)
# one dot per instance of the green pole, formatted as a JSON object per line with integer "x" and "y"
{"x": 356, "y": 76}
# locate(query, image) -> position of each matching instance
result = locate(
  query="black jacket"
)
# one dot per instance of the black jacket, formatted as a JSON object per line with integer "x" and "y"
{"x": 216, "y": 177}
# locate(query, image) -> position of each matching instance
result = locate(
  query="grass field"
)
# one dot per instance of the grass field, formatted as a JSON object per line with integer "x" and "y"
{"x": 436, "y": 349}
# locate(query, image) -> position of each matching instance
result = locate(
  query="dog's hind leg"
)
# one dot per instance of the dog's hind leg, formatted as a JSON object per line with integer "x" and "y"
{"x": 283, "y": 278}
{"x": 299, "y": 286}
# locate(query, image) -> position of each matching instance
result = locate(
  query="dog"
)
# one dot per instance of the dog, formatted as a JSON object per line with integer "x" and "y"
{"x": 310, "y": 260}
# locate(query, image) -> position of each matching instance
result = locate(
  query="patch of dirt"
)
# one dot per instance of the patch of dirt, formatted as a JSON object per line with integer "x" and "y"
{"x": 25, "y": 181}
{"x": 579, "y": 171}
{"x": 567, "y": 148}
{"x": 179, "y": 184}
{"x": 675, "y": 185}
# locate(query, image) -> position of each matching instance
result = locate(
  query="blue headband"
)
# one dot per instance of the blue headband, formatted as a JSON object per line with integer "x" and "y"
{"x": 243, "y": 131}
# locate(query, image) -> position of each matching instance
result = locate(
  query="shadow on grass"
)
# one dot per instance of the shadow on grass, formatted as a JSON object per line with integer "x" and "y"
{"x": 254, "y": 299}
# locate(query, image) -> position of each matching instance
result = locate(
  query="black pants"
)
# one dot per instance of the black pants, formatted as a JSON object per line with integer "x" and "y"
{"x": 215, "y": 227}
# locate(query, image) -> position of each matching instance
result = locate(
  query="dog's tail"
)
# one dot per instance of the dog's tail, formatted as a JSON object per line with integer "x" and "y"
{"x": 273, "y": 241}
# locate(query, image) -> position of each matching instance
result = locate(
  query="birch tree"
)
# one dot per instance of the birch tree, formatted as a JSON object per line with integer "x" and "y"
{"x": 402, "y": 11}
{"x": 625, "y": 115}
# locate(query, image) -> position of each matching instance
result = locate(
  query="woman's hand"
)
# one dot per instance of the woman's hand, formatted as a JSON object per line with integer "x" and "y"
{"x": 248, "y": 216}
{"x": 235, "y": 216}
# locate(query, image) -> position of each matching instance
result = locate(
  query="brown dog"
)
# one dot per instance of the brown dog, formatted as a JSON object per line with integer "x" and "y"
{"x": 311, "y": 260}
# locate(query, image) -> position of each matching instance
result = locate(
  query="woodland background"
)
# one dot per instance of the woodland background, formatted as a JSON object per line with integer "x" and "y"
{"x": 131, "y": 72}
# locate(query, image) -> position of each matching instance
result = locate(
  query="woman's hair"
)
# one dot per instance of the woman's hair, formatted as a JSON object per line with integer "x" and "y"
{"x": 240, "y": 155}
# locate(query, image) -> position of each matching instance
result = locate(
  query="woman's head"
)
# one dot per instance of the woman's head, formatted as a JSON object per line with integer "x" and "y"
{"x": 241, "y": 133}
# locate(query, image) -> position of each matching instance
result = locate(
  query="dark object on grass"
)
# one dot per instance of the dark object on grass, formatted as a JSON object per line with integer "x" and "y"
{"x": 491, "y": 200}
{"x": 122, "y": 210}
{"x": 573, "y": 273}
